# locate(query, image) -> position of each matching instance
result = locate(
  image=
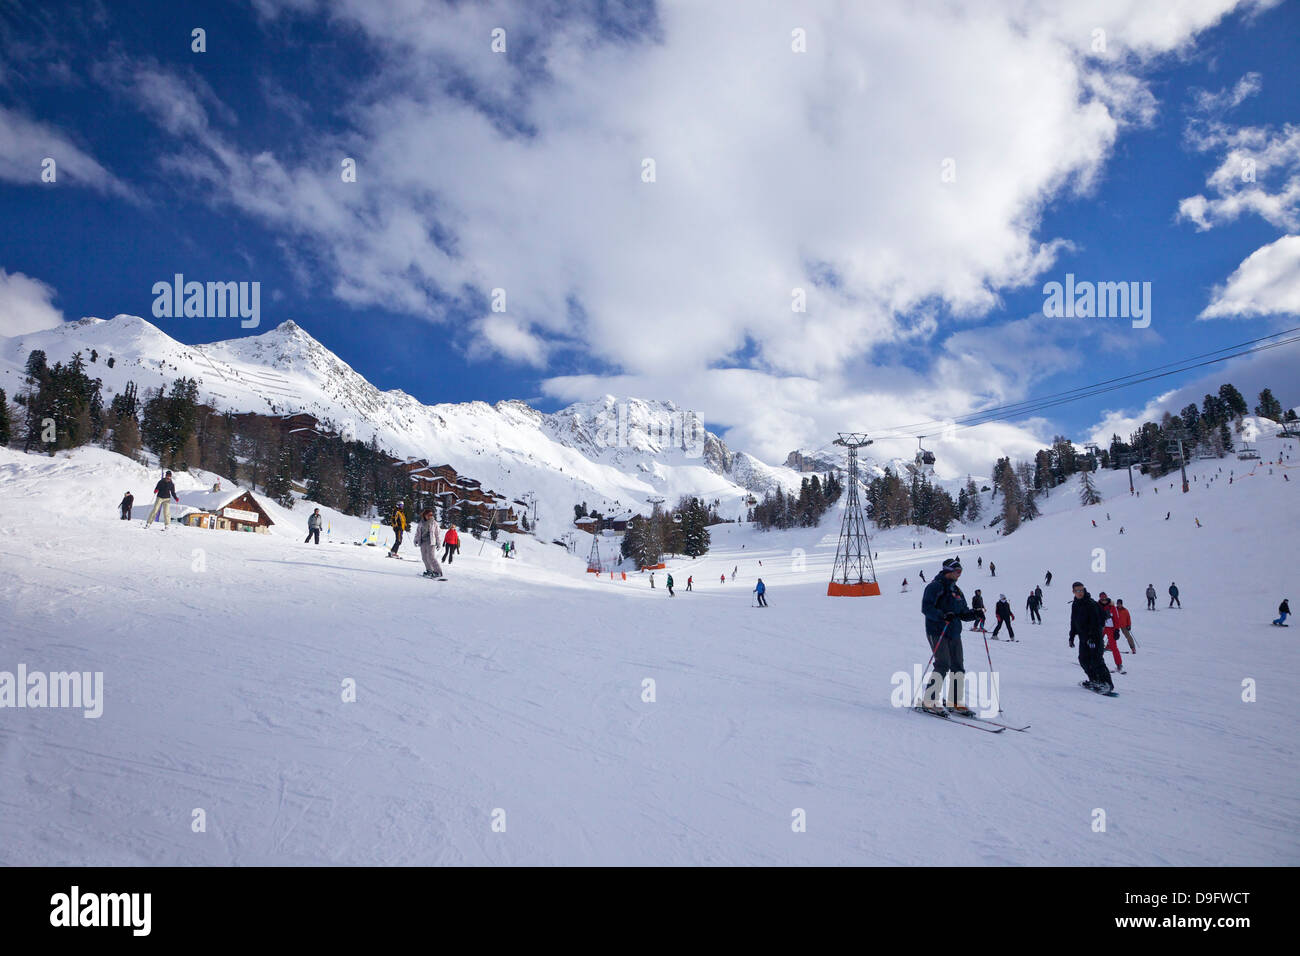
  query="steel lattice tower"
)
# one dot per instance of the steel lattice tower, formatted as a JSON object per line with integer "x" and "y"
{"x": 854, "y": 574}
{"x": 593, "y": 559}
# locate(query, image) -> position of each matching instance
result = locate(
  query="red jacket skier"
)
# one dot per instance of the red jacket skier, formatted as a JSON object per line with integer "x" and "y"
{"x": 1110, "y": 629}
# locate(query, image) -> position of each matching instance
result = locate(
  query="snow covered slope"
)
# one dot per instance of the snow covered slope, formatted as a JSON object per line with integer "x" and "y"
{"x": 520, "y": 687}
{"x": 612, "y": 454}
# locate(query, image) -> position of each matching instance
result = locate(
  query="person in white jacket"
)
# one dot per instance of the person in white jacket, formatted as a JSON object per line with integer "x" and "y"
{"x": 428, "y": 538}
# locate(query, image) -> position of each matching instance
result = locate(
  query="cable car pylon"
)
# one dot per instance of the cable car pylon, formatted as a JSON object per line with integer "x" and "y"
{"x": 854, "y": 574}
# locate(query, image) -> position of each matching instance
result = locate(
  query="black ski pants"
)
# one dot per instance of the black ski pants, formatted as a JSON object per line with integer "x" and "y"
{"x": 1092, "y": 662}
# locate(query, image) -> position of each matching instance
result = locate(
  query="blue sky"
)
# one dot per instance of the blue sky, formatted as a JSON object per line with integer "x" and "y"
{"x": 1110, "y": 156}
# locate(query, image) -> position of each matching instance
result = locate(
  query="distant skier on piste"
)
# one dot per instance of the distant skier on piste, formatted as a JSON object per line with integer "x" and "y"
{"x": 761, "y": 590}
{"x": 690, "y": 580}
{"x": 128, "y": 500}
{"x": 1002, "y": 610}
{"x": 993, "y": 569}
{"x": 450, "y": 545}
{"x": 1086, "y": 622}
{"x": 313, "y": 527}
{"x": 1048, "y": 579}
{"x": 1151, "y": 597}
{"x": 670, "y": 586}
{"x": 1173, "y": 595}
{"x": 426, "y": 539}
{"x": 977, "y": 605}
{"x": 944, "y": 607}
{"x": 1031, "y": 605}
{"x": 398, "y": 524}
{"x": 164, "y": 494}
{"x": 1283, "y": 611}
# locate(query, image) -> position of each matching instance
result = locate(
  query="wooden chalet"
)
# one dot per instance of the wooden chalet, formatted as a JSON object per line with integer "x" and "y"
{"x": 232, "y": 510}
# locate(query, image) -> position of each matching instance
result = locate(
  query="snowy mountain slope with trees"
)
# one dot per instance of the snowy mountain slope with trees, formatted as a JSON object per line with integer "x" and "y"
{"x": 520, "y": 687}
{"x": 582, "y": 453}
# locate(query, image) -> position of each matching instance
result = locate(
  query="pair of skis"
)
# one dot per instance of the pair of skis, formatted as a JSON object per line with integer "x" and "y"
{"x": 969, "y": 720}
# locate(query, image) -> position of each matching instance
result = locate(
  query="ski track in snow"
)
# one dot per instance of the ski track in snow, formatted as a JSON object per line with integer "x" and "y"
{"x": 517, "y": 685}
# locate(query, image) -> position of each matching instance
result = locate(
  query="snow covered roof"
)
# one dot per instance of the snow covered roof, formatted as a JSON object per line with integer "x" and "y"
{"x": 213, "y": 501}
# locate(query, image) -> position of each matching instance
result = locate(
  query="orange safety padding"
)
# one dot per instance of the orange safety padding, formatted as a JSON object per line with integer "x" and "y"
{"x": 863, "y": 589}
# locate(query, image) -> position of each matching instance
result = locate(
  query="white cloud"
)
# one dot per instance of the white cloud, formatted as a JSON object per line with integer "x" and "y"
{"x": 26, "y": 305}
{"x": 1266, "y": 283}
{"x": 25, "y": 144}
{"x": 775, "y": 170}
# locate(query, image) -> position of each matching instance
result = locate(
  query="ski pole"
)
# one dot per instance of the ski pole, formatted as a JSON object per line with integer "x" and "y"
{"x": 990, "y": 657}
{"x": 925, "y": 670}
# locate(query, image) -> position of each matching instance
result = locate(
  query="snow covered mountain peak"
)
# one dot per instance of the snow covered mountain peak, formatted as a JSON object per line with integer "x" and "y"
{"x": 613, "y": 453}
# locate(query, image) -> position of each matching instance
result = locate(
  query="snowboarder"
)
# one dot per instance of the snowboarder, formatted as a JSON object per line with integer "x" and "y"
{"x": 1032, "y": 607}
{"x": 1173, "y": 594}
{"x": 125, "y": 507}
{"x": 398, "y": 524}
{"x": 1048, "y": 580}
{"x": 1109, "y": 628}
{"x": 1086, "y": 620}
{"x": 313, "y": 527}
{"x": 977, "y": 605}
{"x": 427, "y": 540}
{"x": 670, "y": 586}
{"x": 450, "y": 545}
{"x": 944, "y": 607}
{"x": 761, "y": 589}
{"x": 164, "y": 494}
{"x": 993, "y": 569}
{"x": 1151, "y": 597}
{"x": 1283, "y": 610}
{"x": 1124, "y": 621}
{"x": 1002, "y": 610}
{"x": 690, "y": 580}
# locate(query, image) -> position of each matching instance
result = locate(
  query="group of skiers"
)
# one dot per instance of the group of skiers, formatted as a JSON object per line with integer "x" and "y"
{"x": 428, "y": 538}
{"x": 1097, "y": 624}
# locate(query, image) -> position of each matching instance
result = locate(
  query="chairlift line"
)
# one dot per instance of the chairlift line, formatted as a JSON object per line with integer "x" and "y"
{"x": 1029, "y": 406}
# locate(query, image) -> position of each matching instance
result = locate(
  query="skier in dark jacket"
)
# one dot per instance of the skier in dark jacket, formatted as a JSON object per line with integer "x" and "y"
{"x": 1173, "y": 594}
{"x": 1151, "y": 597}
{"x": 1086, "y": 622}
{"x": 1003, "y": 612}
{"x": 164, "y": 494}
{"x": 944, "y": 607}
{"x": 1032, "y": 607}
{"x": 993, "y": 569}
{"x": 125, "y": 507}
{"x": 1283, "y": 610}
{"x": 977, "y": 605}
{"x": 1048, "y": 580}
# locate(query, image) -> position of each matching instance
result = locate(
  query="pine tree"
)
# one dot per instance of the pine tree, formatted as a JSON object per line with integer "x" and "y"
{"x": 4, "y": 420}
{"x": 1269, "y": 407}
{"x": 1088, "y": 493}
{"x": 1232, "y": 400}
